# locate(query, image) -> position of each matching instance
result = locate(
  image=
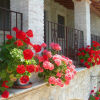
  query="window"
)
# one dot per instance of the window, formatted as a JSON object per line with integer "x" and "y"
{"x": 4, "y": 15}
{"x": 61, "y": 24}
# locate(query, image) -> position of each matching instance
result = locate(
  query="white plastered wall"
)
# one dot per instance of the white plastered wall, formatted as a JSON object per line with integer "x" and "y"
{"x": 95, "y": 24}
{"x": 54, "y": 9}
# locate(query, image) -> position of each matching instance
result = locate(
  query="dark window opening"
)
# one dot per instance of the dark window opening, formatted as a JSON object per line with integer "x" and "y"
{"x": 4, "y": 15}
{"x": 61, "y": 25}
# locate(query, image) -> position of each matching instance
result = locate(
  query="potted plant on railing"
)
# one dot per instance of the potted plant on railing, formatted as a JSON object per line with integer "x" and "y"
{"x": 19, "y": 58}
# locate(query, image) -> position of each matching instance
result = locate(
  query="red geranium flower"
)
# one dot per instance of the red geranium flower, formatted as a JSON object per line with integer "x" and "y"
{"x": 20, "y": 69}
{"x": 21, "y": 35}
{"x": 7, "y": 42}
{"x": 26, "y": 40}
{"x": 86, "y": 63}
{"x": 4, "y": 84}
{"x": 37, "y": 68}
{"x": 29, "y": 33}
{"x": 89, "y": 60}
{"x": 79, "y": 54}
{"x": 96, "y": 98}
{"x": 9, "y": 37}
{"x": 82, "y": 60}
{"x": 19, "y": 43}
{"x": 83, "y": 48}
{"x": 45, "y": 57}
{"x": 24, "y": 79}
{"x": 28, "y": 54}
{"x": 16, "y": 29}
{"x": 37, "y": 48}
{"x": 83, "y": 54}
{"x": 92, "y": 91}
{"x": 80, "y": 49}
{"x": 88, "y": 66}
{"x": 30, "y": 68}
{"x": 5, "y": 94}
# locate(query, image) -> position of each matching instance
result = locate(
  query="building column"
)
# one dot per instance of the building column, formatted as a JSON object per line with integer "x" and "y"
{"x": 82, "y": 18}
{"x": 33, "y": 17}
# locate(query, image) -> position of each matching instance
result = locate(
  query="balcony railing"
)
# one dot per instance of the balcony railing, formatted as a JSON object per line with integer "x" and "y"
{"x": 95, "y": 38}
{"x": 70, "y": 39}
{"x": 8, "y": 20}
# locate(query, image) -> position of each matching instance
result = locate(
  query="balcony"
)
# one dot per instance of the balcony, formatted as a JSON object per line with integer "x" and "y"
{"x": 8, "y": 20}
{"x": 70, "y": 39}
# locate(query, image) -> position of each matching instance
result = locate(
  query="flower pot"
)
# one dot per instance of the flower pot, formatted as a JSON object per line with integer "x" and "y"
{"x": 18, "y": 85}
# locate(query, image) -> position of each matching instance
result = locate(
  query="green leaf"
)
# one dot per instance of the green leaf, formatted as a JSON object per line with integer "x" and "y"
{"x": 40, "y": 75}
{"x": 92, "y": 97}
{"x": 2, "y": 89}
{"x": 10, "y": 84}
{"x": 3, "y": 74}
{"x": 18, "y": 75}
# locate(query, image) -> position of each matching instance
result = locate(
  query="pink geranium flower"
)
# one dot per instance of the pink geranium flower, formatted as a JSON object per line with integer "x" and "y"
{"x": 55, "y": 46}
{"x": 44, "y": 45}
{"x": 48, "y": 65}
{"x": 58, "y": 74}
{"x": 57, "y": 62}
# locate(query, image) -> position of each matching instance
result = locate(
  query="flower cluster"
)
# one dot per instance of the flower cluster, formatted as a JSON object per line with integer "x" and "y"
{"x": 19, "y": 58}
{"x": 56, "y": 69}
{"x": 94, "y": 95}
{"x": 90, "y": 56}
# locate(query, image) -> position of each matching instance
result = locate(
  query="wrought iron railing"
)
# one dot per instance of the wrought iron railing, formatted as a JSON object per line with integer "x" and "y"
{"x": 8, "y": 20}
{"x": 95, "y": 38}
{"x": 70, "y": 39}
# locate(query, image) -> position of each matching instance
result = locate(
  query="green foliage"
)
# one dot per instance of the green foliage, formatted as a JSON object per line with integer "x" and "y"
{"x": 92, "y": 97}
{"x": 10, "y": 57}
{"x": 97, "y": 93}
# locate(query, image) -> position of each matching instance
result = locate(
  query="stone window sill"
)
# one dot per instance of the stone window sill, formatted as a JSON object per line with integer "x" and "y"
{"x": 35, "y": 85}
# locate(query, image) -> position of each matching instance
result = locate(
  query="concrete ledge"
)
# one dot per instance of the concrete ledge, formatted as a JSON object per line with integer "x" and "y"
{"x": 79, "y": 88}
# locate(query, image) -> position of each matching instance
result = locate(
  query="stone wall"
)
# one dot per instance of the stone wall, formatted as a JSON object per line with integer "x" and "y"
{"x": 79, "y": 88}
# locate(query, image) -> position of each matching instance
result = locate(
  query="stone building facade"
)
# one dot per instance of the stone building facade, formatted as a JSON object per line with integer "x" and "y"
{"x": 80, "y": 18}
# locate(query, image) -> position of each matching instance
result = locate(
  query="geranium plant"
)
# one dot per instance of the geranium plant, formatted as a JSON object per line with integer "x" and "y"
{"x": 56, "y": 69}
{"x": 17, "y": 60}
{"x": 90, "y": 56}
